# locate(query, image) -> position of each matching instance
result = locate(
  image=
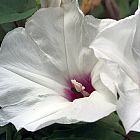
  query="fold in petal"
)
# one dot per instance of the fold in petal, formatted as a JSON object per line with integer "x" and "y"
{"x": 95, "y": 26}
{"x": 119, "y": 43}
{"x": 102, "y": 80}
{"x": 18, "y": 94}
{"x": 44, "y": 109}
{"x": 27, "y": 77}
{"x": 63, "y": 36}
{"x": 19, "y": 52}
{"x": 50, "y": 36}
{"x": 120, "y": 48}
{"x": 128, "y": 110}
{"x": 128, "y": 94}
{"x": 88, "y": 109}
{"x": 45, "y": 28}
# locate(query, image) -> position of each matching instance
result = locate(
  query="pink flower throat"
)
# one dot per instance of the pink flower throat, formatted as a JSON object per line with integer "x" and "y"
{"x": 78, "y": 87}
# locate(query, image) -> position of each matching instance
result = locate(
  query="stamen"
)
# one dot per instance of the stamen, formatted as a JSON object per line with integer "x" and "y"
{"x": 80, "y": 88}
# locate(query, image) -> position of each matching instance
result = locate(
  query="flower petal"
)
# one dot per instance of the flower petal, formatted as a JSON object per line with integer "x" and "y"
{"x": 88, "y": 109}
{"x": 97, "y": 25}
{"x": 112, "y": 77}
{"x": 47, "y": 28}
{"x": 116, "y": 43}
{"x": 128, "y": 110}
{"x": 64, "y": 35}
{"x": 44, "y": 109}
{"x": 18, "y": 94}
{"x": 27, "y": 77}
{"x": 20, "y": 54}
{"x": 123, "y": 49}
{"x": 102, "y": 80}
{"x": 84, "y": 63}
{"x": 47, "y": 107}
{"x": 128, "y": 104}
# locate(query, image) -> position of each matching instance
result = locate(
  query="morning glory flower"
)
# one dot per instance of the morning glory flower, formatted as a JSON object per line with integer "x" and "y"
{"x": 119, "y": 45}
{"x": 48, "y": 73}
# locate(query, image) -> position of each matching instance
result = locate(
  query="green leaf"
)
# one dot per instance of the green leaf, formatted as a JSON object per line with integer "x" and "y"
{"x": 133, "y": 6}
{"x": 124, "y": 8}
{"x": 14, "y": 10}
{"x": 95, "y": 131}
{"x": 98, "y": 12}
{"x": 114, "y": 123}
{"x": 38, "y": 1}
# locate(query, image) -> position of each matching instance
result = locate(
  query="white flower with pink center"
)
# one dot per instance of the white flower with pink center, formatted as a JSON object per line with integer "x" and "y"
{"x": 49, "y": 72}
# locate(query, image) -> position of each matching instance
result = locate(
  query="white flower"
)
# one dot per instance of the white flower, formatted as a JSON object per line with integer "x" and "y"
{"x": 38, "y": 63}
{"x": 120, "y": 44}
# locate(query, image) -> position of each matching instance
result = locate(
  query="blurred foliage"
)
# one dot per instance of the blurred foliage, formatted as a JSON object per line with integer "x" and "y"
{"x": 13, "y": 14}
{"x": 15, "y": 10}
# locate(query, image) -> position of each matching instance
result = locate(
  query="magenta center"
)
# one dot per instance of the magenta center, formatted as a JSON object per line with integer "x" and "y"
{"x": 71, "y": 93}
